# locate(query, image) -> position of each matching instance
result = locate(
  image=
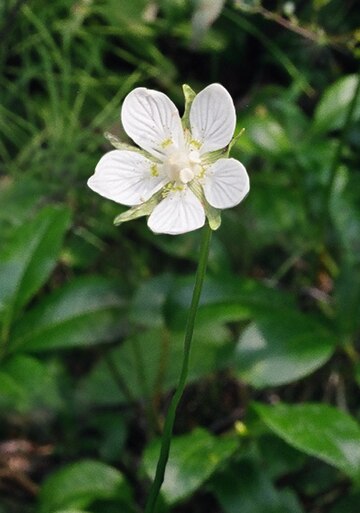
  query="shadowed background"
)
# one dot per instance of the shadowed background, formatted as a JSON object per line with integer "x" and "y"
{"x": 92, "y": 316}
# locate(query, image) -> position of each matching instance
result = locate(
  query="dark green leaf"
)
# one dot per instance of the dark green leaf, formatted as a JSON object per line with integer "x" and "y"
{"x": 18, "y": 200}
{"x": 79, "y": 484}
{"x": 278, "y": 457}
{"x": 149, "y": 364}
{"x": 345, "y": 213}
{"x": 347, "y": 299}
{"x": 282, "y": 348}
{"x": 245, "y": 487}
{"x": 223, "y": 299}
{"x": 71, "y": 511}
{"x": 11, "y": 392}
{"x": 28, "y": 260}
{"x": 147, "y": 306}
{"x": 277, "y": 212}
{"x": 193, "y": 459}
{"x": 84, "y": 312}
{"x": 348, "y": 504}
{"x": 186, "y": 246}
{"x": 112, "y": 434}
{"x": 30, "y": 378}
{"x": 318, "y": 430}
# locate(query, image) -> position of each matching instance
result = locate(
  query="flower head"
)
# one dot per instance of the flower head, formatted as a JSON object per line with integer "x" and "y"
{"x": 180, "y": 174}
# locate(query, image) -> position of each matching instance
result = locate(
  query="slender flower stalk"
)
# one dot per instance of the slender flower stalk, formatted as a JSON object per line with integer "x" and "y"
{"x": 170, "y": 417}
{"x": 180, "y": 176}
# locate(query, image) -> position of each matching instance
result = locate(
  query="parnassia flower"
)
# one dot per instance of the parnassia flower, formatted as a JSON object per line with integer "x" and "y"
{"x": 180, "y": 174}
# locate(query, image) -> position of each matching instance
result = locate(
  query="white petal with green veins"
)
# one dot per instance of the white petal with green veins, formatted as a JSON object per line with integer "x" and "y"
{"x": 125, "y": 177}
{"x": 150, "y": 118}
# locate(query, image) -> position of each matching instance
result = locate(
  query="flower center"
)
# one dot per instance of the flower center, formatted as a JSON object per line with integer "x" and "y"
{"x": 182, "y": 166}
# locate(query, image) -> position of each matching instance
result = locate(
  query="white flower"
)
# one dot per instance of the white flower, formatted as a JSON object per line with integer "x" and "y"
{"x": 180, "y": 176}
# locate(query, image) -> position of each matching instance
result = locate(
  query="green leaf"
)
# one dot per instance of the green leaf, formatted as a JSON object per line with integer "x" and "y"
{"x": 71, "y": 511}
{"x": 11, "y": 392}
{"x": 147, "y": 306}
{"x": 186, "y": 246}
{"x": 149, "y": 364}
{"x": 79, "y": 484}
{"x": 331, "y": 111}
{"x": 319, "y": 430}
{"x": 112, "y": 431}
{"x": 349, "y": 504}
{"x": 88, "y": 310}
{"x": 194, "y": 457}
{"x": 18, "y": 199}
{"x": 245, "y": 487}
{"x": 30, "y": 378}
{"x": 282, "y": 348}
{"x": 27, "y": 262}
{"x": 345, "y": 213}
{"x": 318, "y": 478}
{"x": 225, "y": 299}
{"x": 285, "y": 223}
{"x": 347, "y": 300}
{"x": 281, "y": 459}
{"x": 267, "y": 134}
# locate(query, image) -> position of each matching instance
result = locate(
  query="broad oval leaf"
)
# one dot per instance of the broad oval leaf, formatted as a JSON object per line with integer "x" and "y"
{"x": 77, "y": 485}
{"x": 282, "y": 348}
{"x": 319, "y": 430}
{"x": 332, "y": 109}
{"x": 88, "y": 310}
{"x": 28, "y": 260}
{"x": 193, "y": 459}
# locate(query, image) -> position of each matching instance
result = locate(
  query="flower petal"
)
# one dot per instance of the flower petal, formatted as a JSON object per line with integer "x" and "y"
{"x": 179, "y": 212}
{"x": 226, "y": 183}
{"x": 152, "y": 121}
{"x": 126, "y": 177}
{"x": 212, "y": 118}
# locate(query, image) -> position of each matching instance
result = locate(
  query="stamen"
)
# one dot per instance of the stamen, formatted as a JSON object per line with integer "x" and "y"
{"x": 194, "y": 157}
{"x": 186, "y": 175}
{"x": 166, "y": 143}
{"x": 154, "y": 170}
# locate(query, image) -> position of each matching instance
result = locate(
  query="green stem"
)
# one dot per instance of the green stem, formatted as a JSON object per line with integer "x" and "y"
{"x": 337, "y": 155}
{"x": 170, "y": 417}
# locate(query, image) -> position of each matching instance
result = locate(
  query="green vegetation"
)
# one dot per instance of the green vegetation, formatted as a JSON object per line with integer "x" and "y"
{"x": 92, "y": 316}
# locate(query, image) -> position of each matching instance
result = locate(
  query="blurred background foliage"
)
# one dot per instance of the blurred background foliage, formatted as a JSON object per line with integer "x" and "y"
{"x": 92, "y": 317}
